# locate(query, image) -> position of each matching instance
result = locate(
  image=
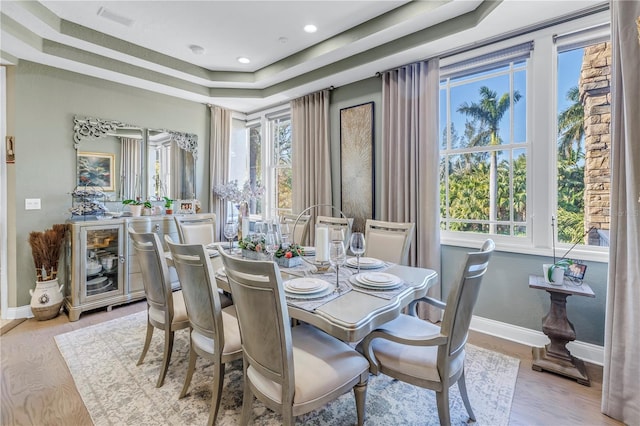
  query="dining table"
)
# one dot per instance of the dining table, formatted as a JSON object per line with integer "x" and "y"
{"x": 349, "y": 312}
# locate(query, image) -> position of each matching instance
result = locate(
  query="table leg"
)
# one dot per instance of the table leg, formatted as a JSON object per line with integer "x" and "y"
{"x": 555, "y": 357}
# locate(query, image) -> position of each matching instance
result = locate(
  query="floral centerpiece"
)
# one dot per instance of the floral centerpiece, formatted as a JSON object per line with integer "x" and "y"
{"x": 289, "y": 256}
{"x": 253, "y": 247}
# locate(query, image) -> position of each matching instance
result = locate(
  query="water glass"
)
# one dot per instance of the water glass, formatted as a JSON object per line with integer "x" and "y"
{"x": 271, "y": 243}
{"x": 337, "y": 258}
{"x": 357, "y": 245}
{"x": 230, "y": 231}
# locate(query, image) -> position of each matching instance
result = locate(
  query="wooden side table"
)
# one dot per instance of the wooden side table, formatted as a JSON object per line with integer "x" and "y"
{"x": 555, "y": 357}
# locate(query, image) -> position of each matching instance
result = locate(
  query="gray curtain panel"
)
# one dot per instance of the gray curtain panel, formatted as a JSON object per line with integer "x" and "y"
{"x": 410, "y": 182}
{"x": 311, "y": 154}
{"x": 130, "y": 165}
{"x": 621, "y": 380}
{"x": 220, "y": 138}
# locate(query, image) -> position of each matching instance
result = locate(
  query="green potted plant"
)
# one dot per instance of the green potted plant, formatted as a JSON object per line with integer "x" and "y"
{"x": 135, "y": 206}
{"x": 168, "y": 205}
{"x": 554, "y": 272}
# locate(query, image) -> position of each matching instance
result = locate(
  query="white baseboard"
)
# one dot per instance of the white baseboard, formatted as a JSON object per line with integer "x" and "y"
{"x": 586, "y": 351}
{"x": 19, "y": 312}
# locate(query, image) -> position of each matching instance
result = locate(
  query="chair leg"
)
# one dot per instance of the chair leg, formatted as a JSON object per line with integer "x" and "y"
{"x": 147, "y": 341}
{"x": 247, "y": 402}
{"x": 442, "y": 400}
{"x": 360, "y": 392}
{"x": 218, "y": 380}
{"x": 166, "y": 357}
{"x": 193, "y": 356}
{"x": 462, "y": 385}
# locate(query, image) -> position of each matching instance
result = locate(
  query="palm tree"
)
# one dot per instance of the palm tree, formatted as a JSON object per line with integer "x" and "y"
{"x": 571, "y": 125}
{"x": 489, "y": 111}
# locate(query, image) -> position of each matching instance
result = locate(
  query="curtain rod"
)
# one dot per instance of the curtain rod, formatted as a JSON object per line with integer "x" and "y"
{"x": 515, "y": 33}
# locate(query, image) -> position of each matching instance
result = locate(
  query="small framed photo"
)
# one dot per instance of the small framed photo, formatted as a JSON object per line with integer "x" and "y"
{"x": 96, "y": 169}
{"x": 576, "y": 271}
{"x": 187, "y": 207}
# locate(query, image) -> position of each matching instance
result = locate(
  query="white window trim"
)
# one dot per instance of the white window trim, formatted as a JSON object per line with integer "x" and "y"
{"x": 542, "y": 137}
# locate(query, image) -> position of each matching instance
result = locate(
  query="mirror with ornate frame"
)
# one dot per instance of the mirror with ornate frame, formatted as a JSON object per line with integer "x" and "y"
{"x": 128, "y": 162}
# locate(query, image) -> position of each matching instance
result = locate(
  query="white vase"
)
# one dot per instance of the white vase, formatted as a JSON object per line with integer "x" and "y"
{"x": 557, "y": 276}
{"x": 46, "y": 299}
{"x": 136, "y": 210}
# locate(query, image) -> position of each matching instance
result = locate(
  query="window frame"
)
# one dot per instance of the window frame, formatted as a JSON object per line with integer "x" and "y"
{"x": 541, "y": 134}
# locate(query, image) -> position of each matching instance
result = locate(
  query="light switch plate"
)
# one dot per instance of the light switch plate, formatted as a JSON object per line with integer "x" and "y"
{"x": 32, "y": 203}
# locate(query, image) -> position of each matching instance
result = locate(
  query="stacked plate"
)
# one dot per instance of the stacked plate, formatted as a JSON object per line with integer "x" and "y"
{"x": 211, "y": 249}
{"x": 307, "y": 288}
{"x": 365, "y": 263}
{"x": 376, "y": 281}
{"x": 309, "y": 251}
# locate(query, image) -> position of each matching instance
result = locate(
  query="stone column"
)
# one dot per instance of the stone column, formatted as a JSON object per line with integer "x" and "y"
{"x": 595, "y": 94}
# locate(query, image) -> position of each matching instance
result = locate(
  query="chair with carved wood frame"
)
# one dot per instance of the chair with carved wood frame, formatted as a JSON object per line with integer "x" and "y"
{"x": 214, "y": 328}
{"x": 198, "y": 229}
{"x": 388, "y": 241}
{"x": 424, "y": 354}
{"x": 290, "y": 370}
{"x": 165, "y": 309}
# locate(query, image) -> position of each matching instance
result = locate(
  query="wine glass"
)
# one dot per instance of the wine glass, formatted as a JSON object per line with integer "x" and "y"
{"x": 357, "y": 245}
{"x": 271, "y": 243}
{"x": 337, "y": 257}
{"x": 230, "y": 231}
{"x": 285, "y": 231}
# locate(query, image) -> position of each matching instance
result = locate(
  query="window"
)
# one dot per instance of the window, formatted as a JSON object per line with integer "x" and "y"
{"x": 524, "y": 141}
{"x": 484, "y": 147}
{"x": 583, "y": 145}
{"x": 264, "y": 139}
{"x": 280, "y": 164}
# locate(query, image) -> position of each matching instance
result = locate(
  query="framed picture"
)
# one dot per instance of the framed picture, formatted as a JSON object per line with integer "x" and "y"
{"x": 96, "y": 169}
{"x": 356, "y": 163}
{"x": 187, "y": 207}
{"x": 576, "y": 270}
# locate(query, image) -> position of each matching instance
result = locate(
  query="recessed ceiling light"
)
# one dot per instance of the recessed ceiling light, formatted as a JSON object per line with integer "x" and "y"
{"x": 310, "y": 28}
{"x": 243, "y": 60}
{"x": 112, "y": 16}
{"x": 197, "y": 50}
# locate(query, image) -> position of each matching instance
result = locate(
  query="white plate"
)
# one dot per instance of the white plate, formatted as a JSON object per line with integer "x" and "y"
{"x": 354, "y": 280}
{"x": 305, "y": 285}
{"x": 97, "y": 281}
{"x": 213, "y": 252}
{"x": 378, "y": 278}
{"x": 365, "y": 263}
{"x": 211, "y": 246}
{"x": 317, "y": 295}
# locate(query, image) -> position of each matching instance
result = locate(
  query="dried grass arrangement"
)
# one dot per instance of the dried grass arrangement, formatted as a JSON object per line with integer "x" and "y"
{"x": 45, "y": 248}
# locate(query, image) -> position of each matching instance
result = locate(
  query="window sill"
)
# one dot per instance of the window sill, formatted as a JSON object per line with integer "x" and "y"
{"x": 596, "y": 254}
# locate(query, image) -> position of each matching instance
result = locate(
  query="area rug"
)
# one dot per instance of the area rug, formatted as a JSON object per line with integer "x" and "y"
{"x": 102, "y": 360}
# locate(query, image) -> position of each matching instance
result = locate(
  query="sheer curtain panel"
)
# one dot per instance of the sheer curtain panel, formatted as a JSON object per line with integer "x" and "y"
{"x": 621, "y": 379}
{"x": 311, "y": 153}
{"x": 219, "y": 163}
{"x": 409, "y": 176}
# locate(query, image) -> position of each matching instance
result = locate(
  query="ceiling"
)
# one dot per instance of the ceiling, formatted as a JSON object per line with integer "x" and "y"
{"x": 146, "y": 44}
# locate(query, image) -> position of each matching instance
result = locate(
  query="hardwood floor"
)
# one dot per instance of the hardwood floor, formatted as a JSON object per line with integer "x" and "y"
{"x": 37, "y": 389}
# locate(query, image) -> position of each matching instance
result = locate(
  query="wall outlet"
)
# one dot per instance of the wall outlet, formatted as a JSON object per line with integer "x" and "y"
{"x": 32, "y": 203}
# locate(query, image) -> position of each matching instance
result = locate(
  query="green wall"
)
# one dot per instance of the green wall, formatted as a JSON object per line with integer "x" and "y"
{"x": 41, "y": 105}
{"x": 40, "y": 116}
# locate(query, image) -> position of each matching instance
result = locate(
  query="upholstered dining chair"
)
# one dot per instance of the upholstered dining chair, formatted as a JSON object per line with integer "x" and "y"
{"x": 165, "y": 309}
{"x": 198, "y": 229}
{"x": 424, "y": 354}
{"x": 301, "y": 232}
{"x": 291, "y": 370}
{"x": 388, "y": 241}
{"x": 341, "y": 223}
{"x": 214, "y": 330}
